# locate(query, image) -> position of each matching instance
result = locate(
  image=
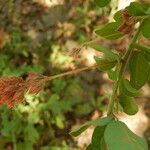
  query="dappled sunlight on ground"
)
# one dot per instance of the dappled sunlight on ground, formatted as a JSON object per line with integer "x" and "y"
{"x": 49, "y": 3}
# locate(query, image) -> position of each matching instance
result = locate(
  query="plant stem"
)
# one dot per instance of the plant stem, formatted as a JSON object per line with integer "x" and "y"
{"x": 122, "y": 68}
{"x": 48, "y": 78}
{"x": 70, "y": 72}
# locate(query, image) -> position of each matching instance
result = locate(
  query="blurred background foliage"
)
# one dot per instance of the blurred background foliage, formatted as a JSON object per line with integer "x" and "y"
{"x": 34, "y": 37}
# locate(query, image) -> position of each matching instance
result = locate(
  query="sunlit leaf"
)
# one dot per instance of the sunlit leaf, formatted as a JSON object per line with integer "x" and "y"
{"x": 97, "y": 136}
{"x": 128, "y": 104}
{"x": 138, "y": 9}
{"x": 98, "y": 142}
{"x": 105, "y": 64}
{"x": 142, "y": 48}
{"x": 99, "y": 122}
{"x": 127, "y": 88}
{"x": 108, "y": 53}
{"x": 114, "y": 74}
{"x": 118, "y": 16}
{"x": 110, "y": 31}
{"x": 146, "y": 28}
{"x": 118, "y": 137}
{"x": 139, "y": 70}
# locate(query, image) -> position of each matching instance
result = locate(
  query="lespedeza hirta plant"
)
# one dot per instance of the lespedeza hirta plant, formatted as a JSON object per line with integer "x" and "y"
{"x": 109, "y": 132}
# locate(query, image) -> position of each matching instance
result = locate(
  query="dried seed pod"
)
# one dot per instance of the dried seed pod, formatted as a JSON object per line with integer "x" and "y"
{"x": 75, "y": 52}
{"x": 125, "y": 14}
{"x": 11, "y": 90}
{"x": 126, "y": 29}
{"x": 129, "y": 22}
{"x": 35, "y": 83}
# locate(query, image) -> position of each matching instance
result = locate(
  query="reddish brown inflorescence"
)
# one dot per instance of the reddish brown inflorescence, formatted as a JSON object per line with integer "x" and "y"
{"x": 35, "y": 83}
{"x": 128, "y": 25}
{"x": 75, "y": 52}
{"x": 12, "y": 89}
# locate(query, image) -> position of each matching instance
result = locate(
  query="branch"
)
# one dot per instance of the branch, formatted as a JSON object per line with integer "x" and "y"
{"x": 48, "y": 78}
{"x": 70, "y": 72}
{"x": 122, "y": 68}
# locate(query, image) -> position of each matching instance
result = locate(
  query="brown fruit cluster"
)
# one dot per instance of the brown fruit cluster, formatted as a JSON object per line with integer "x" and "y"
{"x": 128, "y": 24}
{"x": 74, "y": 52}
{"x": 12, "y": 89}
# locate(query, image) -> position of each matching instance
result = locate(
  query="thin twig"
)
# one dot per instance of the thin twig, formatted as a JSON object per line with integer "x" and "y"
{"x": 70, "y": 72}
{"x": 48, "y": 78}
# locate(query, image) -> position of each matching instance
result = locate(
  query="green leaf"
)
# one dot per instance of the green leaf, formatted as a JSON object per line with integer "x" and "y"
{"x": 108, "y": 53}
{"x": 142, "y": 48}
{"x": 26, "y": 145}
{"x": 118, "y": 137}
{"x": 138, "y": 9}
{"x": 59, "y": 121}
{"x": 3, "y": 61}
{"x": 110, "y": 31}
{"x": 128, "y": 104}
{"x": 139, "y": 70}
{"x": 105, "y": 64}
{"x": 102, "y": 3}
{"x": 127, "y": 88}
{"x": 148, "y": 11}
{"x": 146, "y": 28}
{"x": 90, "y": 147}
{"x": 99, "y": 122}
{"x": 113, "y": 75}
{"x": 30, "y": 133}
{"x": 118, "y": 16}
{"x": 147, "y": 56}
{"x": 103, "y": 144}
{"x": 97, "y": 139}
{"x": 84, "y": 109}
{"x": 97, "y": 136}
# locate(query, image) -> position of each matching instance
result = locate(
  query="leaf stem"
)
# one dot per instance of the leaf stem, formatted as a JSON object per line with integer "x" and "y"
{"x": 122, "y": 68}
